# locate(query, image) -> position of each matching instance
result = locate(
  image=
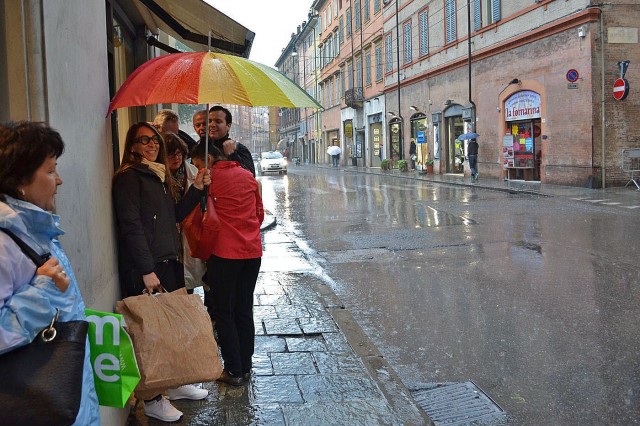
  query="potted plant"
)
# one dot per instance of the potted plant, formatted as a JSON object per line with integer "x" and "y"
{"x": 429, "y": 164}
{"x": 403, "y": 165}
{"x": 384, "y": 164}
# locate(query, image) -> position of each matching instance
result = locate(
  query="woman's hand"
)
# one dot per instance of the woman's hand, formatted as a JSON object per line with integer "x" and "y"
{"x": 54, "y": 270}
{"x": 151, "y": 282}
{"x": 202, "y": 178}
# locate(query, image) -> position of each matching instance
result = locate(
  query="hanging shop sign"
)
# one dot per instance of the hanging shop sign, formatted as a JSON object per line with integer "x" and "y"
{"x": 523, "y": 105}
{"x": 421, "y": 137}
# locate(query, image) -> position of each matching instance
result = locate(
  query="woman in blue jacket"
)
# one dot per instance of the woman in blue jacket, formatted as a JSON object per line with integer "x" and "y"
{"x": 29, "y": 297}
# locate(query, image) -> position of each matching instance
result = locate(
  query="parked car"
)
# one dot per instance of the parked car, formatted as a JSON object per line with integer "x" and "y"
{"x": 272, "y": 161}
{"x": 256, "y": 157}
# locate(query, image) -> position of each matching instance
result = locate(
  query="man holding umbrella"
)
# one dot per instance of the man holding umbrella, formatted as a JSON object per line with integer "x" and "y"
{"x": 334, "y": 151}
{"x": 472, "y": 153}
{"x": 219, "y": 125}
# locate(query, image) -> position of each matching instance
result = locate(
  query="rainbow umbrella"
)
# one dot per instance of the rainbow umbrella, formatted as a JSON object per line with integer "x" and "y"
{"x": 208, "y": 77}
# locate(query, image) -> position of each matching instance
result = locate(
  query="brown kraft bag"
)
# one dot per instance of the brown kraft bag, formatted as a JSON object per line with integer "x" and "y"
{"x": 173, "y": 341}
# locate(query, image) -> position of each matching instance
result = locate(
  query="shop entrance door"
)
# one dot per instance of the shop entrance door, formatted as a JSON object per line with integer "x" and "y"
{"x": 376, "y": 144}
{"x": 454, "y": 149}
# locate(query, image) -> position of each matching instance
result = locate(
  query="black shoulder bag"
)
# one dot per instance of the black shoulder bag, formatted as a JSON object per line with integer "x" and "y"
{"x": 41, "y": 383}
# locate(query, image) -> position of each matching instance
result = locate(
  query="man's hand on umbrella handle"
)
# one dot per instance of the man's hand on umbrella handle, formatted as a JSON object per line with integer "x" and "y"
{"x": 229, "y": 147}
{"x": 202, "y": 178}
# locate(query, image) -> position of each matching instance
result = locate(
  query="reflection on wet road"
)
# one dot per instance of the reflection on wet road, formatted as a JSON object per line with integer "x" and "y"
{"x": 534, "y": 299}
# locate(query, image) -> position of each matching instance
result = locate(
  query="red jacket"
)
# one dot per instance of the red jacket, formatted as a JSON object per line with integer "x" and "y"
{"x": 239, "y": 206}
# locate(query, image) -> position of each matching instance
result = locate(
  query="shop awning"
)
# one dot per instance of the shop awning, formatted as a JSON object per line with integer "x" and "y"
{"x": 190, "y": 21}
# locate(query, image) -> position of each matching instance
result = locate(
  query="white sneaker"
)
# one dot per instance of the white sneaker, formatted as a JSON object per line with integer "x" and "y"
{"x": 162, "y": 410}
{"x": 187, "y": 392}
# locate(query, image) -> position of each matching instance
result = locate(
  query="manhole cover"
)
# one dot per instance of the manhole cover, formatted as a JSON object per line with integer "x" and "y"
{"x": 459, "y": 404}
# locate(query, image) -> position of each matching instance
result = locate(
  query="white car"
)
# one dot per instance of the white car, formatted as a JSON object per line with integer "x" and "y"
{"x": 272, "y": 161}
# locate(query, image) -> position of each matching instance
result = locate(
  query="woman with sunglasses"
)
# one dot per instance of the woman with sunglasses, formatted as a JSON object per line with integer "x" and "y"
{"x": 147, "y": 210}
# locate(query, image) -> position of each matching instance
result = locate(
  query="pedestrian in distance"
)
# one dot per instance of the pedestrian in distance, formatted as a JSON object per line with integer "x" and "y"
{"x": 30, "y": 296}
{"x": 472, "y": 153}
{"x": 412, "y": 153}
{"x": 147, "y": 210}
{"x": 167, "y": 121}
{"x": 183, "y": 175}
{"x": 236, "y": 255}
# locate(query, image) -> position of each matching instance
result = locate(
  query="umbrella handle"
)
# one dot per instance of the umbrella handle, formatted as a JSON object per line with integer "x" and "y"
{"x": 203, "y": 199}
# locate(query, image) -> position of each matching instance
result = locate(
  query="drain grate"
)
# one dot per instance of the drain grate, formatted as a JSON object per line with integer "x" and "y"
{"x": 459, "y": 404}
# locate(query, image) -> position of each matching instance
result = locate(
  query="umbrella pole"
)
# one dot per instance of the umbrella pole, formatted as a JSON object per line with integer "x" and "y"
{"x": 203, "y": 200}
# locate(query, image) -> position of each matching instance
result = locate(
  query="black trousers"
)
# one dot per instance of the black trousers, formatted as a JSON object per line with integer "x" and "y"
{"x": 230, "y": 304}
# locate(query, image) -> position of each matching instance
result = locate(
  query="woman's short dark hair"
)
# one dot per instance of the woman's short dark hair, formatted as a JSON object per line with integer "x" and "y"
{"x": 24, "y": 147}
{"x": 198, "y": 152}
{"x": 175, "y": 143}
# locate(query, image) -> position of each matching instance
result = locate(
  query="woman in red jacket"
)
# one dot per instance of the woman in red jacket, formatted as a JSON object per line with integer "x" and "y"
{"x": 236, "y": 254}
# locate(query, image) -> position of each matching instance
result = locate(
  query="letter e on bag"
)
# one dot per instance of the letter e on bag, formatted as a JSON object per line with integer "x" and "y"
{"x": 115, "y": 369}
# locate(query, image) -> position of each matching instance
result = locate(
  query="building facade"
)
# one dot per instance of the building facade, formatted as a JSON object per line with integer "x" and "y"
{"x": 535, "y": 80}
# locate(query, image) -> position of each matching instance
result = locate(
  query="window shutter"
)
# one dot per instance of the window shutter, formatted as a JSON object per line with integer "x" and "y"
{"x": 477, "y": 14}
{"x": 495, "y": 12}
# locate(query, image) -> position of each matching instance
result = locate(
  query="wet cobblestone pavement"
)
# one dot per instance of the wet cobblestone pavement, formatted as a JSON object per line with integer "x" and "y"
{"x": 305, "y": 368}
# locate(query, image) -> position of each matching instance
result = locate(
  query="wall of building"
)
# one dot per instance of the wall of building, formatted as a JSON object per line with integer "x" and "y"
{"x": 62, "y": 78}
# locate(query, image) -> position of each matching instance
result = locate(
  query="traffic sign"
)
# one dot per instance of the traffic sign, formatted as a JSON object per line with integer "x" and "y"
{"x": 620, "y": 89}
{"x": 572, "y": 75}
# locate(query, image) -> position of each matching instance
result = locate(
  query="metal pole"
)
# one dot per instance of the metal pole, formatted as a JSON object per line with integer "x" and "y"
{"x": 401, "y": 144}
{"x": 473, "y": 105}
{"x": 602, "y": 106}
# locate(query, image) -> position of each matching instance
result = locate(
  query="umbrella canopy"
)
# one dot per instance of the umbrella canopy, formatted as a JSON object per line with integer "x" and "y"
{"x": 334, "y": 150}
{"x": 208, "y": 77}
{"x": 465, "y": 136}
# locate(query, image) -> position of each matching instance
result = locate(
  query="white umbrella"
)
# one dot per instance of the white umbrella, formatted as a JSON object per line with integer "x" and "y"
{"x": 334, "y": 150}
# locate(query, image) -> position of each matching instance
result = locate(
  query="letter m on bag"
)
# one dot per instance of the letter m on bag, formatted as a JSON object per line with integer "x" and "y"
{"x": 115, "y": 370}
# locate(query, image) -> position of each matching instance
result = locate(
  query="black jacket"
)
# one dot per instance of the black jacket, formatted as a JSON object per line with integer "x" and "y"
{"x": 146, "y": 216}
{"x": 472, "y": 147}
{"x": 242, "y": 154}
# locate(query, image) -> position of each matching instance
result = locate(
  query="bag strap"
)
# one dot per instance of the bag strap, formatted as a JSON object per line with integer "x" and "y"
{"x": 39, "y": 260}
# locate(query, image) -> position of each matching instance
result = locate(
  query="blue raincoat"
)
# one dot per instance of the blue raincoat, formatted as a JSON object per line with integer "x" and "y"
{"x": 28, "y": 302}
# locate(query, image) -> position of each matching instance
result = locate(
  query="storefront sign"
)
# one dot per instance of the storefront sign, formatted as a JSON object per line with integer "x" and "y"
{"x": 421, "y": 138}
{"x": 523, "y": 105}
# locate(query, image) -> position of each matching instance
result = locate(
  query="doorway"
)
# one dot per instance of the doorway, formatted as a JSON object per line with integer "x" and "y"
{"x": 454, "y": 148}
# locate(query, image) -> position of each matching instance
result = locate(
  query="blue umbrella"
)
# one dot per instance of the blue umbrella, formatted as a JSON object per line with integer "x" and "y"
{"x": 466, "y": 136}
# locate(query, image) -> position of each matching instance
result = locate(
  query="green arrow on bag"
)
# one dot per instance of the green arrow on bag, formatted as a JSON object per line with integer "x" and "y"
{"x": 115, "y": 370}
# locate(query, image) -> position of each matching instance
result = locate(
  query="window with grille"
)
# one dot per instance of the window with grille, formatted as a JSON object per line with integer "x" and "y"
{"x": 341, "y": 29}
{"x": 388, "y": 46}
{"x": 450, "y": 20}
{"x": 348, "y": 19}
{"x": 376, "y": 6}
{"x": 367, "y": 10}
{"x": 357, "y": 13}
{"x": 423, "y": 21}
{"x": 378, "y": 61}
{"x": 406, "y": 27}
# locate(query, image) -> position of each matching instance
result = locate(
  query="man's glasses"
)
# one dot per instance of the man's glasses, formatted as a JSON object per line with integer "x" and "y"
{"x": 144, "y": 140}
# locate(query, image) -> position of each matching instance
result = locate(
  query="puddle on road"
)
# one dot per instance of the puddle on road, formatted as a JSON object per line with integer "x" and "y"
{"x": 428, "y": 216}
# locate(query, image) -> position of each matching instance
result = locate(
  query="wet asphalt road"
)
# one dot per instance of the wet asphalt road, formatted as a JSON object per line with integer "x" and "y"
{"x": 534, "y": 299}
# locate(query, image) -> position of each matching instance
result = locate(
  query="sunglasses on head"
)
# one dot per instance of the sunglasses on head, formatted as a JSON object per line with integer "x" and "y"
{"x": 144, "y": 140}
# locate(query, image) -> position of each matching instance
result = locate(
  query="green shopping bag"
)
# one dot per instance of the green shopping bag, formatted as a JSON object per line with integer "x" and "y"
{"x": 115, "y": 370}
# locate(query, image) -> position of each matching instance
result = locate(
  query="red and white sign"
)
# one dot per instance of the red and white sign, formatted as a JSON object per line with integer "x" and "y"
{"x": 620, "y": 89}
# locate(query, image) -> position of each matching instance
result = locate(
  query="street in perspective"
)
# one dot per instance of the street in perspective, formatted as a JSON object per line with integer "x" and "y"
{"x": 529, "y": 297}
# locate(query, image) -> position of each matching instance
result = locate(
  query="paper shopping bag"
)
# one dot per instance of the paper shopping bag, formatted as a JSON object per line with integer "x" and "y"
{"x": 115, "y": 370}
{"x": 173, "y": 340}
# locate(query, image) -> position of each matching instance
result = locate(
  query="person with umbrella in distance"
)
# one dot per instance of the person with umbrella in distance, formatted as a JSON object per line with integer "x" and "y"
{"x": 472, "y": 153}
{"x": 334, "y": 151}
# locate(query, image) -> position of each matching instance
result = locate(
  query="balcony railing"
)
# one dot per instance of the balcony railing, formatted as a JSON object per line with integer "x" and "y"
{"x": 354, "y": 97}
